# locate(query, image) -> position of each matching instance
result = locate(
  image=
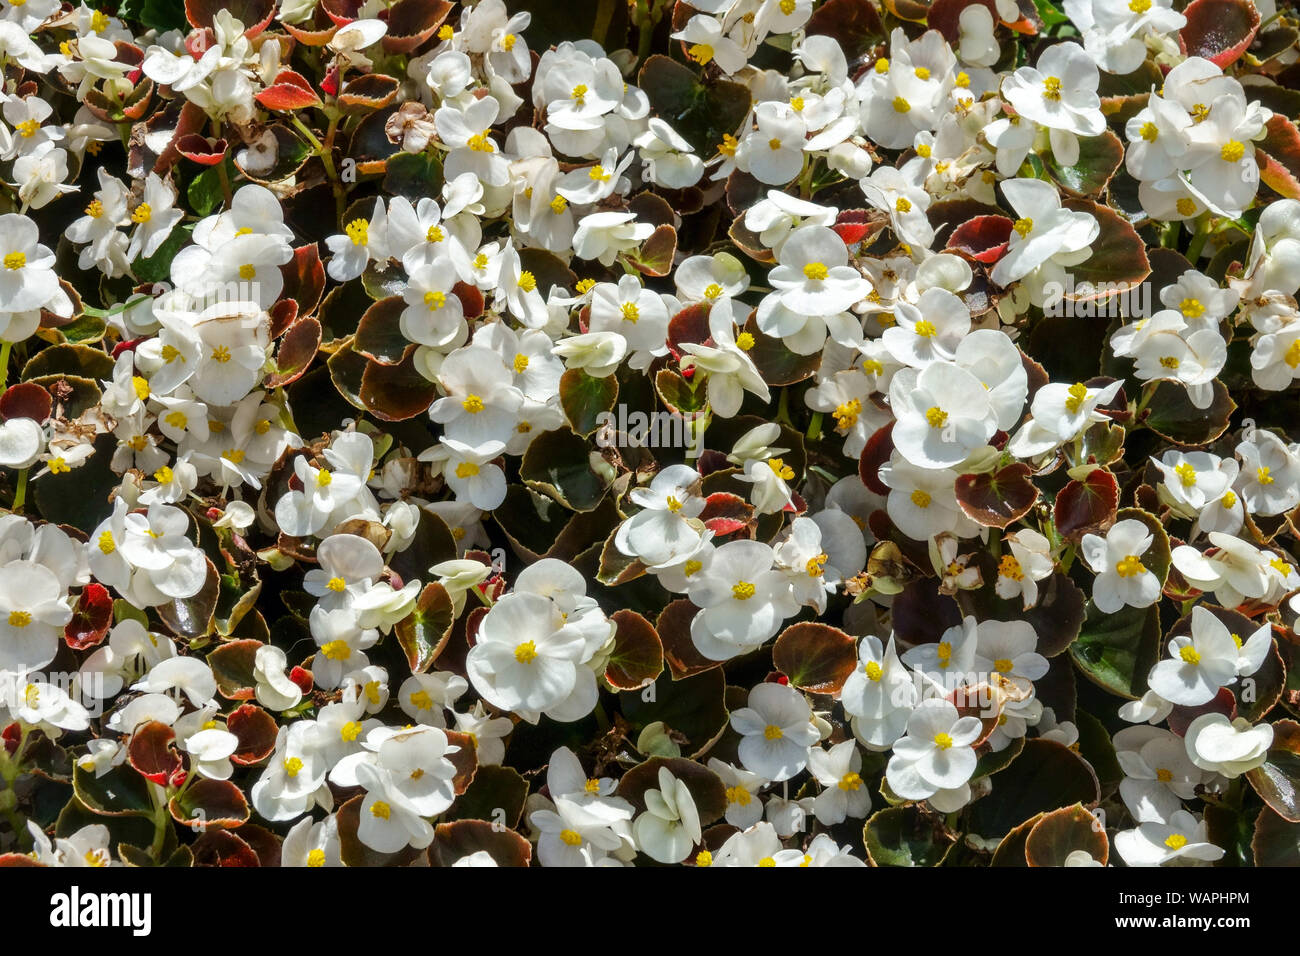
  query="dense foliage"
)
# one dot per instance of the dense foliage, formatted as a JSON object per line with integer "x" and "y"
{"x": 738, "y": 433}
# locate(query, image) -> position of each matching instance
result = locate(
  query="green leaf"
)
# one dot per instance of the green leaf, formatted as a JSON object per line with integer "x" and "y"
{"x": 905, "y": 836}
{"x": 1115, "y": 651}
{"x": 158, "y": 266}
{"x": 584, "y": 399}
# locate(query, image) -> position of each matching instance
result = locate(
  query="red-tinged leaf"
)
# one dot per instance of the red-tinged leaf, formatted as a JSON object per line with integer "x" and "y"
{"x": 1061, "y": 832}
{"x": 855, "y": 225}
{"x": 217, "y": 847}
{"x": 1277, "y": 780}
{"x": 1181, "y": 717}
{"x": 152, "y": 752}
{"x": 411, "y": 22}
{"x": 944, "y": 16}
{"x": 471, "y": 299}
{"x": 996, "y": 499}
{"x": 379, "y": 335}
{"x": 232, "y": 666}
{"x": 1218, "y": 30}
{"x": 874, "y": 454}
{"x": 655, "y": 257}
{"x": 395, "y": 393}
{"x": 304, "y": 278}
{"x": 256, "y": 730}
{"x": 461, "y": 838}
{"x": 201, "y": 149}
{"x": 294, "y": 356}
{"x": 691, "y": 324}
{"x": 210, "y": 803}
{"x": 725, "y": 513}
{"x": 342, "y": 11}
{"x": 255, "y": 15}
{"x": 91, "y": 618}
{"x": 26, "y": 400}
{"x": 638, "y": 655}
{"x": 1279, "y": 154}
{"x": 1119, "y": 256}
{"x": 854, "y": 24}
{"x": 288, "y": 91}
{"x": 1087, "y": 505}
{"x": 816, "y": 657}
{"x": 983, "y": 238}
{"x": 424, "y": 632}
{"x": 586, "y": 400}
{"x": 369, "y": 92}
{"x": 674, "y": 628}
{"x": 283, "y": 314}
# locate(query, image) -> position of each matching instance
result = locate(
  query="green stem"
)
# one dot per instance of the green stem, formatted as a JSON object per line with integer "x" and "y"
{"x": 306, "y": 131}
{"x": 21, "y": 494}
{"x": 4, "y": 365}
{"x": 815, "y": 427}
{"x": 1198, "y": 240}
{"x": 604, "y": 16}
{"x": 160, "y": 820}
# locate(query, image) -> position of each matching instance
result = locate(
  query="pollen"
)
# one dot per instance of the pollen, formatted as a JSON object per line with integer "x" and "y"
{"x": 421, "y": 700}
{"x": 446, "y": 32}
{"x": 480, "y": 143}
{"x": 674, "y": 505}
{"x": 901, "y": 105}
{"x": 526, "y": 651}
{"x": 1232, "y": 151}
{"x": 1186, "y": 474}
{"x": 936, "y": 417}
{"x": 106, "y": 543}
{"x": 1129, "y": 565}
{"x": 630, "y": 312}
{"x": 1149, "y": 132}
{"x": 963, "y": 79}
{"x": 882, "y": 65}
{"x": 15, "y": 260}
{"x": 943, "y": 741}
{"x": 850, "y": 781}
{"x": 508, "y": 42}
{"x": 19, "y": 619}
{"x": 140, "y": 386}
{"x": 466, "y": 469}
{"x": 846, "y": 414}
{"x": 773, "y": 732}
{"x": 925, "y": 329}
{"x": 337, "y": 651}
{"x": 701, "y": 53}
{"x": 1139, "y": 6}
{"x": 744, "y": 341}
{"x": 248, "y": 272}
{"x": 944, "y": 653}
{"x": 164, "y": 475}
{"x": 780, "y": 469}
{"x": 59, "y": 466}
{"x": 571, "y": 837}
{"x": 520, "y": 363}
{"x": 1229, "y": 499}
{"x": 233, "y": 455}
{"x": 381, "y": 810}
{"x": 472, "y": 404}
{"x": 292, "y": 766}
{"x": 1010, "y": 568}
{"x": 797, "y": 104}
{"x": 739, "y": 795}
{"x": 527, "y": 281}
{"x": 95, "y": 209}
{"x": 873, "y": 671}
{"x": 1052, "y": 88}
{"x": 337, "y": 585}
{"x": 316, "y": 858}
{"x": 1024, "y": 227}
{"x": 816, "y": 566}
{"x": 143, "y": 213}
{"x": 774, "y": 143}
{"x": 1169, "y": 361}
{"x": 435, "y": 234}
{"x": 1185, "y": 207}
{"x": 358, "y": 230}
{"x": 742, "y": 590}
{"x": 921, "y": 498}
{"x": 816, "y": 271}
{"x": 1164, "y": 775}
{"x": 177, "y": 419}
{"x": 434, "y": 300}
{"x": 1262, "y": 475}
{"x": 579, "y": 93}
{"x": 902, "y": 205}
{"x": 1292, "y": 356}
{"x": 728, "y": 145}
{"x": 1078, "y": 394}
{"x": 1175, "y": 841}
{"x": 350, "y": 731}
{"x": 221, "y": 354}
{"x": 1004, "y": 665}
{"x": 692, "y": 567}
{"x": 559, "y": 204}
{"x": 787, "y": 6}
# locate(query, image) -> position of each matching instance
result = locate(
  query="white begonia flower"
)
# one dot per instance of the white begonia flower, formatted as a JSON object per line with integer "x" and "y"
{"x": 743, "y": 600}
{"x": 879, "y": 695}
{"x": 730, "y": 371}
{"x": 601, "y": 236}
{"x": 1122, "y": 579}
{"x": 1228, "y": 747}
{"x": 845, "y": 794}
{"x": 744, "y": 807}
{"x": 670, "y": 826}
{"x": 274, "y": 690}
{"x": 211, "y": 750}
{"x": 1183, "y": 838}
{"x": 812, "y": 276}
{"x": 1059, "y": 413}
{"x": 943, "y": 412}
{"x": 49, "y": 707}
{"x": 922, "y": 501}
{"x": 312, "y": 843}
{"x": 1235, "y": 571}
{"x": 1199, "y": 664}
{"x": 662, "y": 533}
{"x": 950, "y": 661}
{"x": 487, "y": 732}
{"x": 1027, "y": 560}
{"x": 1046, "y": 239}
{"x": 423, "y": 697}
{"x": 670, "y": 160}
{"x": 1061, "y": 94}
{"x": 936, "y": 754}
{"x": 776, "y": 731}
{"x": 21, "y": 442}
{"x": 187, "y": 675}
